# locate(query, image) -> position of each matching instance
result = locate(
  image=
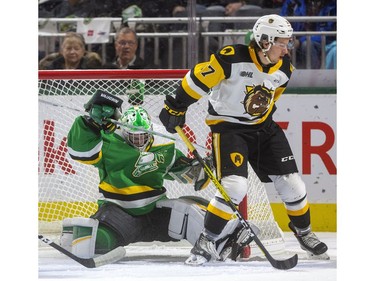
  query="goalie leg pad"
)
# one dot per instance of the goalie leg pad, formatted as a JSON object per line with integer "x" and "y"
{"x": 122, "y": 227}
{"x": 195, "y": 223}
{"x": 83, "y": 237}
{"x": 187, "y": 218}
{"x": 66, "y": 237}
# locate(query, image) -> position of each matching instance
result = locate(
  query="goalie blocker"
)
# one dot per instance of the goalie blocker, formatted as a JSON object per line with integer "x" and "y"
{"x": 172, "y": 220}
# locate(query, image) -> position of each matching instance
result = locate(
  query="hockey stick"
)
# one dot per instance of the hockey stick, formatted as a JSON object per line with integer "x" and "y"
{"x": 120, "y": 124}
{"x": 110, "y": 257}
{"x": 279, "y": 264}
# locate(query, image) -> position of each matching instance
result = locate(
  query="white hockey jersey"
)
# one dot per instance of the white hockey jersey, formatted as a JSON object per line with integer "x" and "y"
{"x": 240, "y": 89}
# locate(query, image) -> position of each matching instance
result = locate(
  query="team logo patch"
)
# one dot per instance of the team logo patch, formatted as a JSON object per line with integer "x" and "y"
{"x": 257, "y": 99}
{"x": 227, "y": 51}
{"x": 236, "y": 158}
{"x": 147, "y": 162}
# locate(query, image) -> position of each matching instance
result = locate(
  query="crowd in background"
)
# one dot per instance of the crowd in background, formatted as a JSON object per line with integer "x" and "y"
{"x": 123, "y": 52}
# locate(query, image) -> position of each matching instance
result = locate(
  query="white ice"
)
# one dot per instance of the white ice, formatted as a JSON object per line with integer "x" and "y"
{"x": 166, "y": 262}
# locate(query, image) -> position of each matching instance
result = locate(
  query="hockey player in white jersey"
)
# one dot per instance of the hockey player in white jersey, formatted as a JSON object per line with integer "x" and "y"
{"x": 244, "y": 84}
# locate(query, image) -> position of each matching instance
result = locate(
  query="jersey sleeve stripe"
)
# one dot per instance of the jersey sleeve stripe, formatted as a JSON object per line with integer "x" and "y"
{"x": 87, "y": 157}
{"x": 191, "y": 88}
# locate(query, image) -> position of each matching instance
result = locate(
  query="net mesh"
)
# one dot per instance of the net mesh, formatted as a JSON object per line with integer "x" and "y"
{"x": 69, "y": 189}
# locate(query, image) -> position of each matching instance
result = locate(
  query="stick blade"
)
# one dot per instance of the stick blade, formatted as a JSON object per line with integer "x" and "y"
{"x": 285, "y": 264}
{"x": 110, "y": 257}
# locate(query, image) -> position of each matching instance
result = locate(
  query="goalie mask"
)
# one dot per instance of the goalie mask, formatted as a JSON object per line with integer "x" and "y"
{"x": 269, "y": 27}
{"x": 135, "y": 121}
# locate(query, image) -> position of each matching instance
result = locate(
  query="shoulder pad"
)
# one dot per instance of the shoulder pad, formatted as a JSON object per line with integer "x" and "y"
{"x": 234, "y": 53}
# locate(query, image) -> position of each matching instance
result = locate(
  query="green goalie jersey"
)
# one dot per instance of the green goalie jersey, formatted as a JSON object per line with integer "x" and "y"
{"x": 128, "y": 177}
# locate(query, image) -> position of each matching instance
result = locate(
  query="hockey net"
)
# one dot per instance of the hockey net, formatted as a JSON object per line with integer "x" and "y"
{"x": 70, "y": 189}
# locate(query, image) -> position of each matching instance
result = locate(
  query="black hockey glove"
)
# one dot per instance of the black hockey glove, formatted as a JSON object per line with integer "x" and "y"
{"x": 103, "y": 107}
{"x": 172, "y": 114}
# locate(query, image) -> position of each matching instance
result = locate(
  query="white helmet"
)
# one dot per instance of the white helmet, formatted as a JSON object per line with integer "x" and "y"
{"x": 269, "y": 27}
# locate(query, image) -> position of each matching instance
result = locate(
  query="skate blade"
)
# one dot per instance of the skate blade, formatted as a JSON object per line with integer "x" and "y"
{"x": 311, "y": 256}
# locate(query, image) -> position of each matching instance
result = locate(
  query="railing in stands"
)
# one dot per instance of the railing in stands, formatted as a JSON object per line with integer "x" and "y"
{"x": 49, "y": 40}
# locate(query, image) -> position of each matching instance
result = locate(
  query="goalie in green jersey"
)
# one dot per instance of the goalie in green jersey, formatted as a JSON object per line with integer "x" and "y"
{"x": 132, "y": 165}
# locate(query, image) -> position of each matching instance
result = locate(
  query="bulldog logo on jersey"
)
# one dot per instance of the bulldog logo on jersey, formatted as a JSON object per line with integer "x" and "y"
{"x": 257, "y": 100}
{"x": 236, "y": 158}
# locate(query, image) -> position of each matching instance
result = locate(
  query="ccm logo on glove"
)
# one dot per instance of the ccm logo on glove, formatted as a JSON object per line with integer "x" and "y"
{"x": 174, "y": 112}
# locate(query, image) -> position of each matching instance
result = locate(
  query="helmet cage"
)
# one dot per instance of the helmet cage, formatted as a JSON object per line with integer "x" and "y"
{"x": 139, "y": 140}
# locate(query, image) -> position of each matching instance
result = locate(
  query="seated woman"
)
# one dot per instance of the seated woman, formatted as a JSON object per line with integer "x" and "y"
{"x": 72, "y": 55}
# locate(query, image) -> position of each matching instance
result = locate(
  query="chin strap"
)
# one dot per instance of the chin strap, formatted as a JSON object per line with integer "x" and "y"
{"x": 267, "y": 58}
{"x": 264, "y": 51}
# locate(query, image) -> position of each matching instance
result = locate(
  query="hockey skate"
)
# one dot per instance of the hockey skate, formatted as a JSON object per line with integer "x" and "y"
{"x": 310, "y": 243}
{"x": 203, "y": 251}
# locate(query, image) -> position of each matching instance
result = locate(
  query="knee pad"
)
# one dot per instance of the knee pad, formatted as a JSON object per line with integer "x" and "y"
{"x": 79, "y": 236}
{"x": 290, "y": 187}
{"x": 187, "y": 218}
{"x": 292, "y": 191}
{"x": 235, "y": 186}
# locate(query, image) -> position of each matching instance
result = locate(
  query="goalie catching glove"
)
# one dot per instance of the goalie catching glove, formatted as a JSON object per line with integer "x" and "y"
{"x": 187, "y": 170}
{"x": 102, "y": 107}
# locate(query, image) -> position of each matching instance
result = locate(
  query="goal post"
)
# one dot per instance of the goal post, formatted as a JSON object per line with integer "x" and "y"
{"x": 67, "y": 188}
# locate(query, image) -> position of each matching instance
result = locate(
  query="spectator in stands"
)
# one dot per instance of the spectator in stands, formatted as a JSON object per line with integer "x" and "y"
{"x": 72, "y": 55}
{"x": 310, "y": 8}
{"x": 126, "y": 45}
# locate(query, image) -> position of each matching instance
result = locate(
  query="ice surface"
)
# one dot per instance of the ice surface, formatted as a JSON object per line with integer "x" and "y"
{"x": 166, "y": 262}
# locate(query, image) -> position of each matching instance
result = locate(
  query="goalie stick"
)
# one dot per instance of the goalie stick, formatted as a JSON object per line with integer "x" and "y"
{"x": 110, "y": 257}
{"x": 279, "y": 264}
